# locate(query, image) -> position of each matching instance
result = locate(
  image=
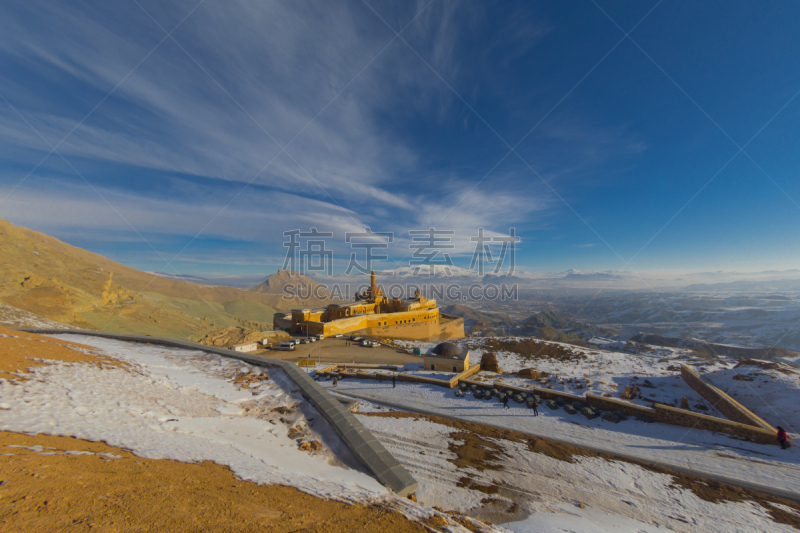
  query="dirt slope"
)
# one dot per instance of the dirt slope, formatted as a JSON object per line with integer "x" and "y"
{"x": 237, "y": 335}
{"x": 55, "y": 280}
{"x": 276, "y": 284}
{"x": 109, "y": 489}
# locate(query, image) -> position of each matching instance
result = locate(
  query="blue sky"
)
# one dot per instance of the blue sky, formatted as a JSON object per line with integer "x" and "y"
{"x": 187, "y": 136}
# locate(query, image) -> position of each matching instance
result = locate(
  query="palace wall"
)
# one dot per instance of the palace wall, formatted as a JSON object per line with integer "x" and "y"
{"x": 419, "y": 324}
{"x": 446, "y": 328}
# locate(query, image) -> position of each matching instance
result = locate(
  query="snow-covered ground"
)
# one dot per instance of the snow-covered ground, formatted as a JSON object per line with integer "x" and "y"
{"x": 705, "y": 453}
{"x": 19, "y": 318}
{"x": 188, "y": 406}
{"x": 544, "y": 493}
{"x": 193, "y": 406}
{"x": 771, "y": 389}
{"x": 774, "y": 393}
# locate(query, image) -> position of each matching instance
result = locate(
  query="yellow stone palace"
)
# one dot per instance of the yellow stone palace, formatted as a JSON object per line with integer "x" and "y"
{"x": 373, "y": 313}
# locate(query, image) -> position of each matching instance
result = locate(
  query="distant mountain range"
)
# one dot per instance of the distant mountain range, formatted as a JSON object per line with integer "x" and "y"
{"x": 590, "y": 276}
{"x": 769, "y": 280}
{"x": 746, "y": 285}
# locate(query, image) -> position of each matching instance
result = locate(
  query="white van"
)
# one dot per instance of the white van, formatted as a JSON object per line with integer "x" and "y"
{"x": 287, "y": 346}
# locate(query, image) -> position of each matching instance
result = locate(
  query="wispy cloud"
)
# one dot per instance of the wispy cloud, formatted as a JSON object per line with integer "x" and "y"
{"x": 376, "y": 136}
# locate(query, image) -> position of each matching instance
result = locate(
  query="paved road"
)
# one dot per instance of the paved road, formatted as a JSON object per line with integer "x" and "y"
{"x": 335, "y": 350}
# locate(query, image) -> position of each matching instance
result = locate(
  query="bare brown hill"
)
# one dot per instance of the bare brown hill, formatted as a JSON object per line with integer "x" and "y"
{"x": 301, "y": 286}
{"x": 55, "y": 280}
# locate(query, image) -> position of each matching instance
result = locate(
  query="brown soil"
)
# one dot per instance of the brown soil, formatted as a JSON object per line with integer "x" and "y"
{"x": 480, "y": 451}
{"x": 469, "y": 483}
{"x": 83, "y": 492}
{"x": 766, "y": 365}
{"x": 470, "y": 457}
{"x": 19, "y": 350}
{"x": 473, "y": 450}
{"x": 531, "y": 349}
{"x": 245, "y": 380}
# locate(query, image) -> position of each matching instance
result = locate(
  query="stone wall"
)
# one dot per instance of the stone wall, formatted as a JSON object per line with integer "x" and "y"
{"x": 341, "y": 370}
{"x": 726, "y": 405}
{"x": 665, "y": 414}
{"x": 445, "y": 328}
{"x": 468, "y": 373}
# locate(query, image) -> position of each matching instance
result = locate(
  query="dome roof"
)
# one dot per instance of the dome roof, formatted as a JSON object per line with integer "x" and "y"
{"x": 449, "y": 350}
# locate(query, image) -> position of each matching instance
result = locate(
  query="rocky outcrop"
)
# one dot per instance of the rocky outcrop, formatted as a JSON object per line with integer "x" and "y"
{"x": 489, "y": 362}
{"x": 304, "y": 286}
{"x": 231, "y": 336}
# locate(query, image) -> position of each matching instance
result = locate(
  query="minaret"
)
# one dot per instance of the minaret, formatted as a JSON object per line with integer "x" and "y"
{"x": 372, "y": 279}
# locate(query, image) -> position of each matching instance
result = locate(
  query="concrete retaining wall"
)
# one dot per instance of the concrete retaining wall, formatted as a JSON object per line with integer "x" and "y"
{"x": 356, "y": 437}
{"x": 719, "y": 399}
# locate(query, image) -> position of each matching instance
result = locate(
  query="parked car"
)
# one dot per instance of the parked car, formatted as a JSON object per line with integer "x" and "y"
{"x": 338, "y": 335}
{"x": 285, "y": 346}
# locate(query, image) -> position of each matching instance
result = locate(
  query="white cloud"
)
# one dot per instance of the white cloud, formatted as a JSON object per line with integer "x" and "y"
{"x": 258, "y": 216}
{"x": 283, "y": 63}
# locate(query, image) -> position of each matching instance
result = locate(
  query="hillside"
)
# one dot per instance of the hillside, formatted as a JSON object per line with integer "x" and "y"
{"x": 468, "y": 313}
{"x": 703, "y": 347}
{"x": 238, "y": 335}
{"x": 303, "y": 285}
{"x": 479, "y": 320}
{"x": 60, "y": 282}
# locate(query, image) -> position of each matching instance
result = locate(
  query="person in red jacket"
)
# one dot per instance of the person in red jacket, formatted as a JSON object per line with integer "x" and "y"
{"x": 783, "y": 439}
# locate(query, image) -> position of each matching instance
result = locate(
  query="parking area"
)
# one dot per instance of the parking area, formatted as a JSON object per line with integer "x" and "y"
{"x": 333, "y": 350}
